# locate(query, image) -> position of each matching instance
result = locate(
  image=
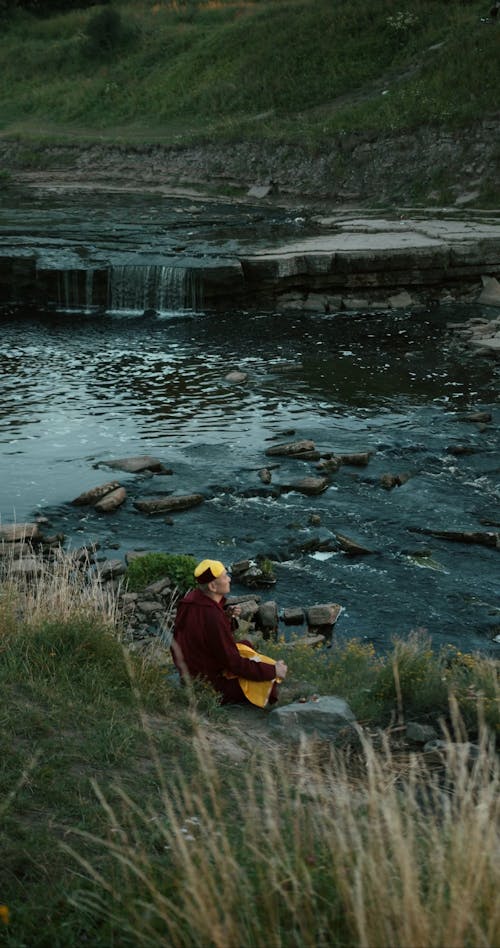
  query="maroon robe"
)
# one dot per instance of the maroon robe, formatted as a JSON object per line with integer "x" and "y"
{"x": 204, "y": 647}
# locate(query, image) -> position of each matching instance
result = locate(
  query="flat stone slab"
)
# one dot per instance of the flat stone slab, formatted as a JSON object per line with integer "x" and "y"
{"x": 328, "y": 717}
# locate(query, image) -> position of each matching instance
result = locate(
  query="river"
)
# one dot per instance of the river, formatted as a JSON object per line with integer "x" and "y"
{"x": 82, "y": 388}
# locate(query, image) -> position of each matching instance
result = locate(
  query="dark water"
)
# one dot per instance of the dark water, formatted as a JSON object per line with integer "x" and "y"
{"x": 78, "y": 390}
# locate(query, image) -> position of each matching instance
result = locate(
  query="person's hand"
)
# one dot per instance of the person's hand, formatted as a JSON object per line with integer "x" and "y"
{"x": 233, "y": 612}
{"x": 281, "y": 668}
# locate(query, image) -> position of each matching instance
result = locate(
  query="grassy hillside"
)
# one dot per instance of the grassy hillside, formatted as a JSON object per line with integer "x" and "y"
{"x": 289, "y": 70}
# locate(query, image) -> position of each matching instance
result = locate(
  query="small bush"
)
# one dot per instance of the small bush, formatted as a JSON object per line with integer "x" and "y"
{"x": 104, "y": 32}
{"x": 177, "y": 567}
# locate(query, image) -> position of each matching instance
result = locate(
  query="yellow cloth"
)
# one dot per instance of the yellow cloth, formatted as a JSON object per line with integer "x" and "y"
{"x": 257, "y": 692}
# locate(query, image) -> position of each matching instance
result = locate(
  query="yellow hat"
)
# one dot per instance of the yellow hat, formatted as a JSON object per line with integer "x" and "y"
{"x": 208, "y": 570}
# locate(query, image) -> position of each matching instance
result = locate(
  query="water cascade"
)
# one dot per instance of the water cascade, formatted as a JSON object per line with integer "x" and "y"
{"x": 135, "y": 289}
{"x": 75, "y": 290}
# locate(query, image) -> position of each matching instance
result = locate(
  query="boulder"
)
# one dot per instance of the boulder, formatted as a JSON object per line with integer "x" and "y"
{"x": 92, "y": 496}
{"x": 136, "y": 465}
{"x": 265, "y": 475}
{"x": 305, "y": 450}
{"x": 266, "y": 619}
{"x": 420, "y": 733}
{"x": 110, "y": 569}
{"x": 26, "y": 568}
{"x": 490, "y": 294}
{"x": 14, "y": 532}
{"x": 359, "y": 459}
{"x": 154, "y": 505}
{"x": 351, "y": 547}
{"x": 388, "y": 481}
{"x": 236, "y": 377}
{"x": 307, "y": 485}
{"x": 478, "y": 417}
{"x": 328, "y": 718}
{"x": 323, "y": 615}
{"x": 329, "y": 464}
{"x": 112, "y": 501}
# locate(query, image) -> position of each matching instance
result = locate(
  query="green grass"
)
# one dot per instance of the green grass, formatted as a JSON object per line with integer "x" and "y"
{"x": 281, "y": 70}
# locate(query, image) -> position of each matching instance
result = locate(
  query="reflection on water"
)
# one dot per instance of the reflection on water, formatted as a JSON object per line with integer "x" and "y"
{"x": 78, "y": 392}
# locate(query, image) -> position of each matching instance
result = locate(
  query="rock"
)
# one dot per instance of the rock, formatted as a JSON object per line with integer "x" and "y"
{"x": 328, "y": 718}
{"x": 265, "y": 475}
{"x": 28, "y": 567}
{"x": 360, "y": 459}
{"x": 307, "y": 485}
{"x": 149, "y": 607}
{"x": 160, "y": 587}
{"x": 111, "y": 568}
{"x": 460, "y": 449}
{"x": 136, "y": 465}
{"x": 152, "y": 651}
{"x": 14, "y": 532}
{"x": 92, "y": 496}
{"x": 248, "y": 607}
{"x": 14, "y": 550}
{"x": 315, "y": 520}
{"x": 153, "y": 505}
{"x": 483, "y": 538}
{"x": 351, "y": 547}
{"x": 329, "y": 464}
{"x": 294, "y": 616}
{"x": 254, "y": 576}
{"x": 388, "y": 481}
{"x": 266, "y": 619}
{"x": 490, "y": 294}
{"x": 400, "y": 300}
{"x": 297, "y": 449}
{"x": 132, "y": 555}
{"x": 478, "y": 417}
{"x": 236, "y": 377}
{"x": 420, "y": 733}
{"x": 311, "y": 641}
{"x": 112, "y": 501}
{"x": 322, "y": 618}
{"x": 262, "y": 190}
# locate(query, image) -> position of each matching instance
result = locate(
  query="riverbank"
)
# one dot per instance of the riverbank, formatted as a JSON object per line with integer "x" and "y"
{"x": 145, "y": 794}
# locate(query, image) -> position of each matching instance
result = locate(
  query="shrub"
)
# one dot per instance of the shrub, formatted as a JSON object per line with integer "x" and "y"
{"x": 177, "y": 567}
{"x": 104, "y": 32}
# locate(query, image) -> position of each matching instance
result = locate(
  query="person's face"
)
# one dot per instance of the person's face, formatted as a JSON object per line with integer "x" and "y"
{"x": 222, "y": 584}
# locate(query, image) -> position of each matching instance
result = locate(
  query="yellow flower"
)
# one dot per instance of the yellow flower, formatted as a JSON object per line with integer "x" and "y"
{"x": 4, "y": 914}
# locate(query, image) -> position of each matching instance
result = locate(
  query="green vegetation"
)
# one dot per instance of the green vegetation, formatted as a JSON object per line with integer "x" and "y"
{"x": 276, "y": 70}
{"x": 146, "y": 569}
{"x": 137, "y": 813}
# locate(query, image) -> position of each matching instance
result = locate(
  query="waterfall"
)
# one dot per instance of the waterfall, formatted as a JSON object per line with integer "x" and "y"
{"x": 135, "y": 289}
{"x": 75, "y": 290}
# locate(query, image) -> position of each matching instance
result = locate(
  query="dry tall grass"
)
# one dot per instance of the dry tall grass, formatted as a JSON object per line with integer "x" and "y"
{"x": 61, "y": 586}
{"x": 311, "y": 853}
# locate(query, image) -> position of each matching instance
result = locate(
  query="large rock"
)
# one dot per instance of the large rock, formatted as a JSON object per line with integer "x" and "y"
{"x": 307, "y": 485}
{"x": 490, "y": 294}
{"x": 172, "y": 504}
{"x": 26, "y": 568}
{"x": 136, "y": 465}
{"x": 304, "y": 450}
{"x": 14, "y": 532}
{"x": 92, "y": 496}
{"x": 329, "y": 718}
{"x": 112, "y": 501}
{"x": 351, "y": 547}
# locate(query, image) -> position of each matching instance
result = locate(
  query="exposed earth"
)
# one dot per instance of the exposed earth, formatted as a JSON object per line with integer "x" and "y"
{"x": 429, "y": 166}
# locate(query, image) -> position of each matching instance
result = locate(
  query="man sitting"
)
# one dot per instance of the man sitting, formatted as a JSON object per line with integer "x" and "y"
{"x": 203, "y": 645}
